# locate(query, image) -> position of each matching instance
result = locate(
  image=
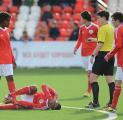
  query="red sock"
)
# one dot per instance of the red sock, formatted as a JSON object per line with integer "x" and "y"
{"x": 116, "y": 95}
{"x": 89, "y": 84}
{"x": 25, "y": 90}
{"x": 11, "y": 85}
{"x": 8, "y": 107}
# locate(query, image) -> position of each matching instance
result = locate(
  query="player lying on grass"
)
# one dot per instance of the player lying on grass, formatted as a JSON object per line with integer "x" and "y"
{"x": 31, "y": 99}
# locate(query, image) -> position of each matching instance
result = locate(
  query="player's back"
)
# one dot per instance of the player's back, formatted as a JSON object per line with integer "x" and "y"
{"x": 5, "y": 47}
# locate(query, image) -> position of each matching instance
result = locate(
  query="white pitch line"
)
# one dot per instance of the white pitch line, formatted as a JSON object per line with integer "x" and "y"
{"x": 111, "y": 116}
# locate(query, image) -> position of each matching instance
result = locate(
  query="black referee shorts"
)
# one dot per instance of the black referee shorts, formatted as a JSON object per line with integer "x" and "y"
{"x": 101, "y": 67}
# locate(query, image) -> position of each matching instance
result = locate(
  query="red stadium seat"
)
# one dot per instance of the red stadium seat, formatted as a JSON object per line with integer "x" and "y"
{"x": 13, "y": 9}
{"x": 7, "y": 2}
{"x": 90, "y": 9}
{"x": 64, "y": 24}
{"x": 76, "y": 17}
{"x": 63, "y": 32}
{"x": 56, "y": 9}
{"x": 3, "y": 8}
{"x": 66, "y": 16}
{"x": 57, "y": 16}
{"x": 68, "y": 9}
{"x": 79, "y": 3}
{"x": 78, "y": 10}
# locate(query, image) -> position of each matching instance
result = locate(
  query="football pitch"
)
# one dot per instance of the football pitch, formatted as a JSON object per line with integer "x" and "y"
{"x": 70, "y": 84}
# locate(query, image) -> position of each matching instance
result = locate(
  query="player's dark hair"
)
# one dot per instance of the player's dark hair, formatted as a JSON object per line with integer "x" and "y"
{"x": 86, "y": 15}
{"x": 118, "y": 16}
{"x": 104, "y": 14}
{"x": 58, "y": 107}
{"x": 4, "y": 16}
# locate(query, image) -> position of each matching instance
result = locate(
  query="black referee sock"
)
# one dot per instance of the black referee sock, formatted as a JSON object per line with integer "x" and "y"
{"x": 111, "y": 91}
{"x": 95, "y": 91}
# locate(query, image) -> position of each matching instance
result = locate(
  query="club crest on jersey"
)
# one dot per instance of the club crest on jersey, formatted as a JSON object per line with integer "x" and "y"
{"x": 91, "y": 31}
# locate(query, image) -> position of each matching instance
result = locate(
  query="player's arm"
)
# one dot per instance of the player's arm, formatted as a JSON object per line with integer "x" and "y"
{"x": 118, "y": 46}
{"x": 79, "y": 41}
{"x": 46, "y": 91}
{"x": 53, "y": 92}
{"x": 97, "y": 49}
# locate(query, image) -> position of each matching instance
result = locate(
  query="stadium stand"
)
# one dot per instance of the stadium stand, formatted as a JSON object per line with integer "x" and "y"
{"x": 28, "y": 18}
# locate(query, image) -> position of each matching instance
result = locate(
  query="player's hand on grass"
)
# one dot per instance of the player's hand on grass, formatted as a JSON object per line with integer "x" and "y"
{"x": 14, "y": 65}
{"x": 7, "y": 100}
{"x": 75, "y": 50}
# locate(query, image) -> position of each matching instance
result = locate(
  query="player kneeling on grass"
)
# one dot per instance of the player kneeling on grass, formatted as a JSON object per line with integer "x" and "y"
{"x": 31, "y": 99}
{"x": 117, "y": 20}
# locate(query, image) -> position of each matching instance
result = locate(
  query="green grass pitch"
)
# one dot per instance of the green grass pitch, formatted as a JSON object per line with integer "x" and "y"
{"x": 70, "y": 85}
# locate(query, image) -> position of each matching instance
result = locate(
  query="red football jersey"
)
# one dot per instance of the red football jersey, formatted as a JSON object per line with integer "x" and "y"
{"x": 6, "y": 55}
{"x": 118, "y": 46}
{"x": 49, "y": 92}
{"x": 85, "y": 33}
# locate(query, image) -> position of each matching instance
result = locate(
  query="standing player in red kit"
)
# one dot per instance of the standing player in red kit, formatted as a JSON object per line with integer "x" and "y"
{"x": 117, "y": 20}
{"x": 7, "y": 61}
{"x": 31, "y": 99}
{"x": 87, "y": 41}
